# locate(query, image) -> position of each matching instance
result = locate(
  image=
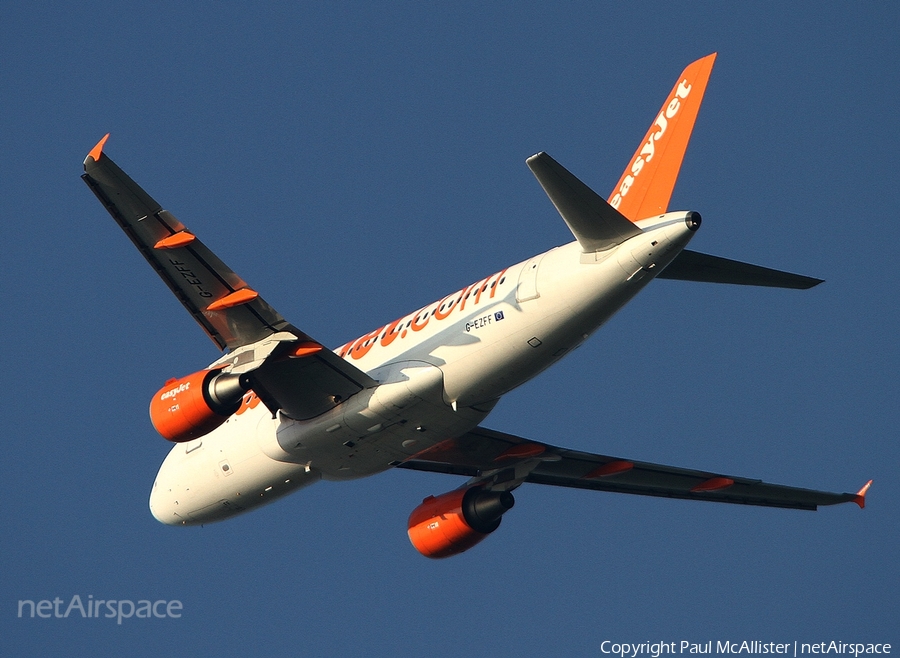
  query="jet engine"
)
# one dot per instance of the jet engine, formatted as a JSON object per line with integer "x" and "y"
{"x": 455, "y": 521}
{"x": 195, "y": 405}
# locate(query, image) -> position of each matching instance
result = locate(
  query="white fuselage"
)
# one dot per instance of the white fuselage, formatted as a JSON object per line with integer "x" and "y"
{"x": 440, "y": 372}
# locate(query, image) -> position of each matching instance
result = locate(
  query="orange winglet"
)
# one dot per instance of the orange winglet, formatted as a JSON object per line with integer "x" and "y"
{"x": 713, "y": 484}
{"x": 860, "y": 497}
{"x": 176, "y": 240}
{"x": 646, "y": 184}
{"x": 236, "y": 298}
{"x": 97, "y": 151}
{"x": 610, "y": 468}
{"x": 521, "y": 451}
{"x": 305, "y": 349}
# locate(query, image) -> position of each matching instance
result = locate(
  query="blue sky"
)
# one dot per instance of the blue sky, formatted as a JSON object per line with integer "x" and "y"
{"x": 354, "y": 163}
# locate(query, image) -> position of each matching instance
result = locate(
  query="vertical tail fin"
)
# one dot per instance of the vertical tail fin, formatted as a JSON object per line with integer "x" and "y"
{"x": 647, "y": 183}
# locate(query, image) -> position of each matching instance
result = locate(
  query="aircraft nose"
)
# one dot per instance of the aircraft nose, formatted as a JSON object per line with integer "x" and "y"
{"x": 163, "y": 505}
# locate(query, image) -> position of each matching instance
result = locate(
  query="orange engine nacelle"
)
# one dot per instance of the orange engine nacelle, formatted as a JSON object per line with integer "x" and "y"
{"x": 455, "y": 521}
{"x": 195, "y": 405}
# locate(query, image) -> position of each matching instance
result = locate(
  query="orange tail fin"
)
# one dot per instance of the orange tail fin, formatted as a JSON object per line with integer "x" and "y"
{"x": 646, "y": 185}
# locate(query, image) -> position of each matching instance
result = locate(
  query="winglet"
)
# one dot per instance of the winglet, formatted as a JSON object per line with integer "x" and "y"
{"x": 860, "y": 497}
{"x": 646, "y": 184}
{"x": 97, "y": 151}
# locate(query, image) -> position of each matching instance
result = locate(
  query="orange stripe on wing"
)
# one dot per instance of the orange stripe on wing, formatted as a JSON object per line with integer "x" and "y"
{"x": 236, "y": 298}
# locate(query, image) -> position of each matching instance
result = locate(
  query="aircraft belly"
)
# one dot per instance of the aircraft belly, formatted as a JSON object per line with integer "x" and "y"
{"x": 376, "y": 428}
{"x": 420, "y": 426}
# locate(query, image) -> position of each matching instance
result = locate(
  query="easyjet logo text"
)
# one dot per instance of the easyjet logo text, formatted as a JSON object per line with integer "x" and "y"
{"x": 648, "y": 150}
{"x": 172, "y": 392}
{"x": 417, "y": 321}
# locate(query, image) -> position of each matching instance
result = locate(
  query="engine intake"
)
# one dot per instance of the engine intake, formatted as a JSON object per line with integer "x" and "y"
{"x": 454, "y": 522}
{"x": 190, "y": 407}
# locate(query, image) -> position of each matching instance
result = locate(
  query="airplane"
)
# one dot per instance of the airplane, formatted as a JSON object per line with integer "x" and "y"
{"x": 278, "y": 411}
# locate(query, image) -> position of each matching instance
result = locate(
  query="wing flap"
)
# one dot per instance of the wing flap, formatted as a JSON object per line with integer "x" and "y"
{"x": 483, "y": 451}
{"x": 307, "y": 386}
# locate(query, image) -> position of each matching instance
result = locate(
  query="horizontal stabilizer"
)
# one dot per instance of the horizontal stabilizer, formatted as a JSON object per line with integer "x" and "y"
{"x": 595, "y": 224}
{"x": 694, "y": 266}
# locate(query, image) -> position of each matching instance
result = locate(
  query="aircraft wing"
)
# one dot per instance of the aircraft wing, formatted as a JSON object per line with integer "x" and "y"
{"x": 230, "y": 312}
{"x": 233, "y": 315}
{"x": 495, "y": 456}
